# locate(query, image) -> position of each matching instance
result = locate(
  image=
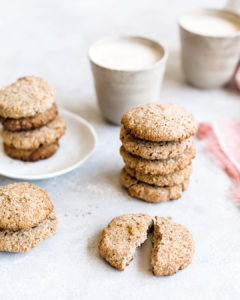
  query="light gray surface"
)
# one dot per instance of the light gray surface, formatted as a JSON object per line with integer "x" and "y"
{"x": 51, "y": 38}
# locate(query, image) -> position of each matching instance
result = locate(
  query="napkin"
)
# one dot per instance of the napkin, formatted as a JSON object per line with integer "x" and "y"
{"x": 223, "y": 141}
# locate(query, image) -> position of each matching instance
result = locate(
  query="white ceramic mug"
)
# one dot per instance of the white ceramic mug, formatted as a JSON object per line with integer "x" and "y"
{"x": 119, "y": 88}
{"x": 209, "y": 61}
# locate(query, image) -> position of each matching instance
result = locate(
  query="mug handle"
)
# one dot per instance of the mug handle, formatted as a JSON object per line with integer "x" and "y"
{"x": 233, "y": 6}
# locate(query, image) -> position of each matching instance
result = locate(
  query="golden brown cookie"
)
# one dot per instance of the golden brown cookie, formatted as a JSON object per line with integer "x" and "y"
{"x": 173, "y": 247}
{"x": 37, "y": 121}
{"x": 23, "y": 206}
{"x": 151, "y": 193}
{"x": 158, "y": 167}
{"x": 42, "y": 152}
{"x": 153, "y": 150}
{"x": 121, "y": 238}
{"x": 159, "y": 122}
{"x": 24, "y": 240}
{"x": 27, "y": 97}
{"x": 33, "y": 139}
{"x": 162, "y": 180}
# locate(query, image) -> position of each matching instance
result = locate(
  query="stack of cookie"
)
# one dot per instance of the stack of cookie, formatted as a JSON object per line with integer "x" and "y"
{"x": 29, "y": 115}
{"x": 26, "y": 217}
{"x": 157, "y": 149}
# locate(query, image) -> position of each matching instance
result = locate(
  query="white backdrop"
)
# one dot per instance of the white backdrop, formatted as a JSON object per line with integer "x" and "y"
{"x": 50, "y": 39}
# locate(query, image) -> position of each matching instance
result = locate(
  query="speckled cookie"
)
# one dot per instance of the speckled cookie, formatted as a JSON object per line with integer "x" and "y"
{"x": 27, "y": 97}
{"x": 33, "y": 139}
{"x": 23, "y": 206}
{"x": 173, "y": 247}
{"x": 43, "y": 152}
{"x": 31, "y": 122}
{"x": 121, "y": 238}
{"x": 153, "y": 150}
{"x": 159, "y": 122}
{"x": 24, "y": 240}
{"x": 162, "y": 180}
{"x": 151, "y": 193}
{"x": 158, "y": 167}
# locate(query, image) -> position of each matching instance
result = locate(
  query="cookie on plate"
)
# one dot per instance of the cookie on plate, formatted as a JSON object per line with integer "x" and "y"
{"x": 27, "y": 97}
{"x": 40, "y": 153}
{"x": 28, "y": 123}
{"x": 26, "y": 217}
{"x": 153, "y": 150}
{"x": 151, "y": 193}
{"x": 121, "y": 238}
{"x": 160, "y": 166}
{"x": 173, "y": 247}
{"x": 159, "y": 122}
{"x": 33, "y": 139}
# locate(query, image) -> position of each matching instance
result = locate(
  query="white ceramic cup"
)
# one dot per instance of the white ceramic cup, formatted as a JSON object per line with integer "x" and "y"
{"x": 209, "y": 61}
{"x": 119, "y": 89}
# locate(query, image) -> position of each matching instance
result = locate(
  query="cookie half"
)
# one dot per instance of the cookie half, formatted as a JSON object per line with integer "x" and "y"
{"x": 162, "y": 180}
{"x": 159, "y": 122}
{"x": 27, "y": 97}
{"x": 42, "y": 152}
{"x": 153, "y": 150}
{"x": 121, "y": 238}
{"x": 151, "y": 193}
{"x": 23, "y": 206}
{"x": 33, "y": 139}
{"x": 173, "y": 247}
{"x": 37, "y": 121}
{"x": 156, "y": 167}
{"x": 24, "y": 240}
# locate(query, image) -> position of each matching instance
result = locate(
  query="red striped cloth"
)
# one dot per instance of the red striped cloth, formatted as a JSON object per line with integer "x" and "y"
{"x": 223, "y": 141}
{"x": 237, "y": 78}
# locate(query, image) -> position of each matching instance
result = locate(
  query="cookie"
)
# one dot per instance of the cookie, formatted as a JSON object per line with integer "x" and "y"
{"x": 23, "y": 205}
{"x": 121, "y": 238}
{"x": 153, "y": 150}
{"x": 162, "y": 180}
{"x": 27, "y": 97}
{"x": 151, "y": 193}
{"x": 173, "y": 247}
{"x": 42, "y": 152}
{"x": 31, "y": 122}
{"x": 156, "y": 167}
{"x": 24, "y": 240}
{"x": 33, "y": 139}
{"x": 159, "y": 122}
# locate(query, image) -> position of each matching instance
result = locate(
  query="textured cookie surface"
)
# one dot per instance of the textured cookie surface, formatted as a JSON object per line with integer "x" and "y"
{"x": 24, "y": 240}
{"x": 156, "y": 167}
{"x": 23, "y": 205}
{"x": 162, "y": 180}
{"x": 159, "y": 122}
{"x": 151, "y": 193}
{"x": 121, "y": 238}
{"x": 30, "y": 122}
{"x": 32, "y": 155}
{"x": 35, "y": 138}
{"x": 26, "y": 97}
{"x": 173, "y": 247}
{"x": 153, "y": 150}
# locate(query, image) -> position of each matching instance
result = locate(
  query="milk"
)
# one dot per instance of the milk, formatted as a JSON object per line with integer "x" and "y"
{"x": 211, "y": 25}
{"x": 125, "y": 54}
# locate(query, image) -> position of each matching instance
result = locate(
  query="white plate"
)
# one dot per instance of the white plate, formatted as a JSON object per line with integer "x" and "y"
{"x": 76, "y": 146}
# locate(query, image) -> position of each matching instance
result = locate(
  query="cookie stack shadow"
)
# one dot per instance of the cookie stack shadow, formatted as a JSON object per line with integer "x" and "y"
{"x": 157, "y": 149}
{"x": 29, "y": 115}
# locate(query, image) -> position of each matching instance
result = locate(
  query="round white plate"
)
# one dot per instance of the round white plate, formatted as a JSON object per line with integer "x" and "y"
{"x": 76, "y": 146}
